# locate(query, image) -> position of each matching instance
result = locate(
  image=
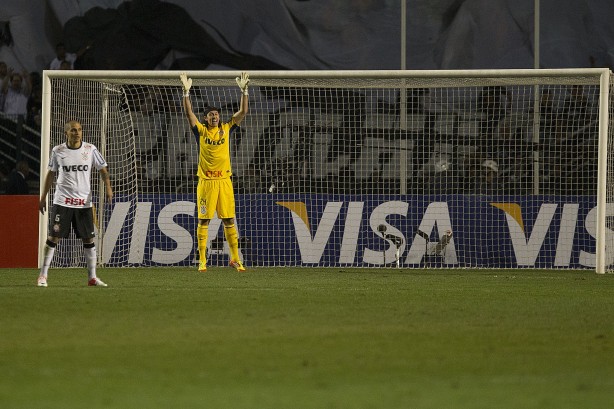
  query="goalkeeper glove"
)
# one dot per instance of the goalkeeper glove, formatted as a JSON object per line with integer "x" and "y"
{"x": 243, "y": 81}
{"x": 187, "y": 84}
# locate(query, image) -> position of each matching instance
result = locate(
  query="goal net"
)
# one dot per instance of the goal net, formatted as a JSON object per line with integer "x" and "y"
{"x": 493, "y": 169}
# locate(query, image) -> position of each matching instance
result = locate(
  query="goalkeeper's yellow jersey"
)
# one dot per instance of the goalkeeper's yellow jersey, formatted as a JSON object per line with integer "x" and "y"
{"x": 214, "y": 150}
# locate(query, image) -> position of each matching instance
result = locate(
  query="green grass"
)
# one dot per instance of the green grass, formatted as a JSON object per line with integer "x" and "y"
{"x": 307, "y": 338}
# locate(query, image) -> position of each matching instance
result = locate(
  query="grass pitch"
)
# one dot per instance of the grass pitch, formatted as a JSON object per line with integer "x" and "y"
{"x": 307, "y": 338}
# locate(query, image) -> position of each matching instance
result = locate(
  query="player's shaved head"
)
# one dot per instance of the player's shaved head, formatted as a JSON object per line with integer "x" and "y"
{"x": 70, "y": 124}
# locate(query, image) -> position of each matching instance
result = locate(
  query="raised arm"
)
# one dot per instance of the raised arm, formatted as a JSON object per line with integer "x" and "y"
{"x": 243, "y": 82}
{"x": 187, "y": 104}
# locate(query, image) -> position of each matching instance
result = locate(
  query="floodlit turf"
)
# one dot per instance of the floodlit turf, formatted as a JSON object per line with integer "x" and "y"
{"x": 307, "y": 338}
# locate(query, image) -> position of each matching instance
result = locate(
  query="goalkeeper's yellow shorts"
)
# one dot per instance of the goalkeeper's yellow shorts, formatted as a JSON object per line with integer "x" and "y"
{"x": 215, "y": 195}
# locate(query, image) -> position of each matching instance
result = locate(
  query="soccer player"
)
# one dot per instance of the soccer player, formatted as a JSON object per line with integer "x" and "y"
{"x": 215, "y": 191}
{"x": 73, "y": 161}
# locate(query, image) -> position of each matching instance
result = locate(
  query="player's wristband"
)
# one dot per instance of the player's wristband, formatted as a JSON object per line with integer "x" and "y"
{"x": 245, "y": 93}
{"x": 186, "y": 94}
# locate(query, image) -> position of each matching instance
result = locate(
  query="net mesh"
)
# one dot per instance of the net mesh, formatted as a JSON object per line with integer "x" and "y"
{"x": 496, "y": 172}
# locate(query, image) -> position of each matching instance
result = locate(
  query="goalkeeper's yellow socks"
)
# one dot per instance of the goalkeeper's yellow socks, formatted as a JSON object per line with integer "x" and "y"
{"x": 232, "y": 237}
{"x": 202, "y": 233}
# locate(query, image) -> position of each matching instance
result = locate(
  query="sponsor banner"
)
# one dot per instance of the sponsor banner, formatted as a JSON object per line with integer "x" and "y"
{"x": 366, "y": 230}
{"x": 19, "y": 227}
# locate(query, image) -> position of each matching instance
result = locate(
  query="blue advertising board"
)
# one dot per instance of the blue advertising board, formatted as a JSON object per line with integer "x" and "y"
{"x": 362, "y": 230}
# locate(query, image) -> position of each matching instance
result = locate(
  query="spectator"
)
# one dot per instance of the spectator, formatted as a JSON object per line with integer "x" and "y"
{"x": 441, "y": 178}
{"x": 4, "y": 70}
{"x": 548, "y": 115}
{"x": 511, "y": 153}
{"x": 486, "y": 180}
{"x": 17, "y": 183}
{"x": 60, "y": 56}
{"x": 493, "y": 107}
{"x": 16, "y": 92}
{"x": 35, "y": 106}
{"x": 64, "y": 60}
{"x": 561, "y": 158}
{"x": 576, "y": 102}
{"x": 577, "y": 109}
{"x": 3, "y": 74}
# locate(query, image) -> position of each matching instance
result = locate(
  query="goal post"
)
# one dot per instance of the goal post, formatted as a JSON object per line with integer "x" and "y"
{"x": 467, "y": 168}
{"x": 605, "y": 188}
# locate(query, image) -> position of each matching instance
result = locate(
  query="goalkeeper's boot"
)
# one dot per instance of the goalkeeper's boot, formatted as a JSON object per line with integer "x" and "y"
{"x": 202, "y": 266}
{"x": 237, "y": 265}
{"x": 96, "y": 282}
{"x": 42, "y": 281}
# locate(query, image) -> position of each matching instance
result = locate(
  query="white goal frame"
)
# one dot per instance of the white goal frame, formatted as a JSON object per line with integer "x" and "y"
{"x": 594, "y": 76}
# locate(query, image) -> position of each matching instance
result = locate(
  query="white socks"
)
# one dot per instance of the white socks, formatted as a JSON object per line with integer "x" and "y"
{"x": 47, "y": 257}
{"x": 90, "y": 260}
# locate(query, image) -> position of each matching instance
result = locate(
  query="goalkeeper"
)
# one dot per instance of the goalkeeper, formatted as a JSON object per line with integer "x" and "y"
{"x": 215, "y": 191}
